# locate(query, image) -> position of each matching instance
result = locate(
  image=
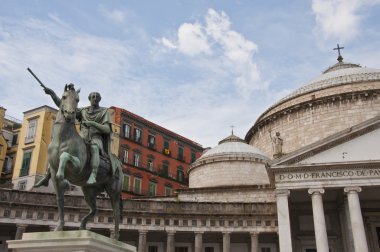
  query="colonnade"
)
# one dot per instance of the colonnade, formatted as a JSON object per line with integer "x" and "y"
{"x": 356, "y": 219}
{"x": 198, "y": 241}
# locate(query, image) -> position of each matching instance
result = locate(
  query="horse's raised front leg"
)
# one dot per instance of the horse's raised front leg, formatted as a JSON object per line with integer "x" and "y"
{"x": 59, "y": 189}
{"x": 89, "y": 193}
{"x": 63, "y": 159}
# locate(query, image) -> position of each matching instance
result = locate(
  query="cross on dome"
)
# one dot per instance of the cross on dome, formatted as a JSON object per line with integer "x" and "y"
{"x": 340, "y": 58}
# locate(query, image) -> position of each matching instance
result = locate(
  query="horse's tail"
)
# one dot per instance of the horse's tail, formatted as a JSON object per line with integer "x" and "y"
{"x": 120, "y": 188}
{"x": 121, "y": 205}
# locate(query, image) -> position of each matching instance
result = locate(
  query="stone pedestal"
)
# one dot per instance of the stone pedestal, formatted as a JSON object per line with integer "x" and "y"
{"x": 78, "y": 241}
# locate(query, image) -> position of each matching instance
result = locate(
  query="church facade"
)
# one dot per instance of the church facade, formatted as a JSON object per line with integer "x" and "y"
{"x": 305, "y": 178}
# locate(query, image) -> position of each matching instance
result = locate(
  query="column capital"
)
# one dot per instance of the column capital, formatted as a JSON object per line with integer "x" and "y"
{"x": 352, "y": 189}
{"x": 199, "y": 232}
{"x": 282, "y": 192}
{"x": 312, "y": 191}
{"x": 170, "y": 232}
{"x": 254, "y": 233}
{"x": 143, "y": 232}
{"x": 226, "y": 232}
{"x": 21, "y": 225}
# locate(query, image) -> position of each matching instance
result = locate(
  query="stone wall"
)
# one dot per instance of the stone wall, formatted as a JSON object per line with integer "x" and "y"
{"x": 229, "y": 195}
{"x": 228, "y": 173}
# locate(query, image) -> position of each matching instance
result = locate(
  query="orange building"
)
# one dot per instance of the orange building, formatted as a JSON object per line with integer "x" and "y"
{"x": 155, "y": 160}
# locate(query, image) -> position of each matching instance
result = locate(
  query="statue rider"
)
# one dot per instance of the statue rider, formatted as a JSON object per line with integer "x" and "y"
{"x": 95, "y": 129}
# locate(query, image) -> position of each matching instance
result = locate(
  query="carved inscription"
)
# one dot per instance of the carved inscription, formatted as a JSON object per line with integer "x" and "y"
{"x": 327, "y": 175}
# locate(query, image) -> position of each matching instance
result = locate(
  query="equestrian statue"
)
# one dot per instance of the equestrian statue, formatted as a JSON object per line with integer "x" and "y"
{"x": 83, "y": 159}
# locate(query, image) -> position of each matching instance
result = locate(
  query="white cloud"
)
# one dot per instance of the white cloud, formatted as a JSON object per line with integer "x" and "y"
{"x": 115, "y": 15}
{"x": 58, "y": 54}
{"x": 339, "y": 19}
{"x": 216, "y": 37}
{"x": 192, "y": 40}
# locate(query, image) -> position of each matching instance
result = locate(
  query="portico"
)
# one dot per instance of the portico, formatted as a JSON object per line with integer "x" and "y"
{"x": 323, "y": 189}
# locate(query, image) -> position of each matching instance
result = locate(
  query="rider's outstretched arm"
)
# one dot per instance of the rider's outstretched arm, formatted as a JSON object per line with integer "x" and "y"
{"x": 55, "y": 98}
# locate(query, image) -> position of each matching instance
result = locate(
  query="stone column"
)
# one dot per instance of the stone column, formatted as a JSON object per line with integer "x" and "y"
{"x": 360, "y": 240}
{"x": 319, "y": 220}
{"x": 20, "y": 231}
{"x": 198, "y": 241}
{"x": 112, "y": 233}
{"x": 170, "y": 241}
{"x": 285, "y": 237}
{"x": 226, "y": 242}
{"x": 254, "y": 242}
{"x": 142, "y": 241}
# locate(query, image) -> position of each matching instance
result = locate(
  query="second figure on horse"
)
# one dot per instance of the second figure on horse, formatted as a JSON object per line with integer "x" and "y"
{"x": 95, "y": 129}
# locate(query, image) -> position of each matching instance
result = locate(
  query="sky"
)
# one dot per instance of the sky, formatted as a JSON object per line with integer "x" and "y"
{"x": 194, "y": 67}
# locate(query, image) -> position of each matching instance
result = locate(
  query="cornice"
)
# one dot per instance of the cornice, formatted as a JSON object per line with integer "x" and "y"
{"x": 370, "y": 164}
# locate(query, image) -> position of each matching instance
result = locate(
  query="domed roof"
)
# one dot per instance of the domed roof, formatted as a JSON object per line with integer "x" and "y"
{"x": 233, "y": 145}
{"x": 338, "y": 74}
{"x": 232, "y": 163}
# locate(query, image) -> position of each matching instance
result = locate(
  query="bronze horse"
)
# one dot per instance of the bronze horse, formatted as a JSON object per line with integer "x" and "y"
{"x": 69, "y": 160}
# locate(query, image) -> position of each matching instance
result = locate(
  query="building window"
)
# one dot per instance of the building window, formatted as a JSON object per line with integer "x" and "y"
{"x": 125, "y": 156}
{"x": 126, "y": 183}
{"x": 168, "y": 191}
{"x": 181, "y": 249}
{"x": 180, "y": 174}
{"x": 137, "y": 186}
{"x": 127, "y": 131}
{"x": 150, "y": 164}
{"x": 152, "y": 188}
{"x": 29, "y": 214}
{"x": 31, "y": 133}
{"x": 165, "y": 169}
{"x": 269, "y": 250}
{"x": 138, "y": 135}
{"x": 166, "y": 150}
{"x": 136, "y": 159}
{"x": 50, "y": 216}
{"x": 180, "y": 153}
{"x": 151, "y": 141}
{"x": 22, "y": 185}
{"x": 14, "y": 139}
{"x": 153, "y": 249}
{"x": 26, "y": 163}
{"x": 193, "y": 156}
{"x": 6, "y": 165}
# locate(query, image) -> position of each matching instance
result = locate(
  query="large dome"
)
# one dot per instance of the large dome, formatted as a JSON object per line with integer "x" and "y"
{"x": 339, "y": 74}
{"x": 231, "y": 163}
{"x": 344, "y": 95}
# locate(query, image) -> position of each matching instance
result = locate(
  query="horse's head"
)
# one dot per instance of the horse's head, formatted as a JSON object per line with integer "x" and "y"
{"x": 69, "y": 102}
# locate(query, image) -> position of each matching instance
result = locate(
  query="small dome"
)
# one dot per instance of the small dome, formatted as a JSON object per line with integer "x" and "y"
{"x": 233, "y": 145}
{"x": 232, "y": 163}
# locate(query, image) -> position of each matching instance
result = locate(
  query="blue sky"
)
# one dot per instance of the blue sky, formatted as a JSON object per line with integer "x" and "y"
{"x": 194, "y": 67}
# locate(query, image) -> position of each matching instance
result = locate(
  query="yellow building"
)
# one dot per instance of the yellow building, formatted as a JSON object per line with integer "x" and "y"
{"x": 3, "y": 142}
{"x": 34, "y": 138}
{"x": 9, "y": 130}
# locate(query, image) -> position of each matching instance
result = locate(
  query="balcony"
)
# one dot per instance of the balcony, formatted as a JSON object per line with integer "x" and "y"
{"x": 167, "y": 152}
